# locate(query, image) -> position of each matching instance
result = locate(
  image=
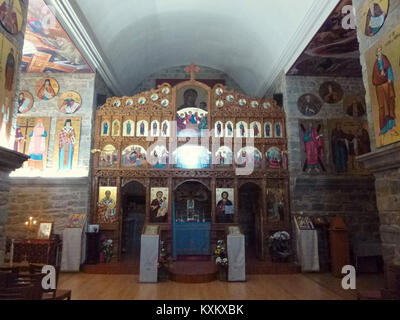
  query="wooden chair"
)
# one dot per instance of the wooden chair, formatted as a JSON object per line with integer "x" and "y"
{"x": 51, "y": 294}
{"x": 26, "y": 280}
{"x": 17, "y": 293}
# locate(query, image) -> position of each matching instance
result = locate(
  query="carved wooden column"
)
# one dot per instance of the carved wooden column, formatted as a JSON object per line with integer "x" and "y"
{"x": 148, "y": 200}
{"x": 213, "y": 200}
{"x": 9, "y": 161}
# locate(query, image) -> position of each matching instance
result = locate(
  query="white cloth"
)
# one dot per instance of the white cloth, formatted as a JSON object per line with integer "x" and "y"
{"x": 236, "y": 258}
{"x": 73, "y": 249}
{"x": 149, "y": 258}
{"x": 307, "y": 249}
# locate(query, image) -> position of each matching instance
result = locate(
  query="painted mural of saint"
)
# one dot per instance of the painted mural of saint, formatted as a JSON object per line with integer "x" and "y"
{"x": 141, "y": 129}
{"x": 128, "y": 129}
{"x": 340, "y": 151}
{"x": 105, "y": 128}
{"x": 19, "y": 140}
{"x": 256, "y": 130}
{"x": 155, "y": 129}
{"x": 229, "y": 129}
{"x": 242, "y": 130}
{"x": 363, "y": 141}
{"x": 355, "y": 109}
{"x": 278, "y": 130}
{"x": 37, "y": 146}
{"x": 5, "y": 117}
{"x": 268, "y": 130}
{"x": 314, "y": 148}
{"x": 165, "y": 129}
{"x": 375, "y": 19}
{"x": 46, "y": 92}
{"x": 23, "y": 103}
{"x": 383, "y": 80}
{"x": 66, "y": 145}
{"x": 219, "y": 129}
{"x": 10, "y": 71}
{"x": 8, "y": 16}
{"x": 116, "y": 128}
{"x": 69, "y": 106}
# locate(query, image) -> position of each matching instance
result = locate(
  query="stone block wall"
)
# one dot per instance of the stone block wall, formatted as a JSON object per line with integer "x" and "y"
{"x": 179, "y": 73}
{"x": 45, "y": 200}
{"x": 385, "y": 161}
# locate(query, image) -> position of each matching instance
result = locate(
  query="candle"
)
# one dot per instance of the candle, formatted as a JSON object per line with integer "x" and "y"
{"x": 12, "y": 253}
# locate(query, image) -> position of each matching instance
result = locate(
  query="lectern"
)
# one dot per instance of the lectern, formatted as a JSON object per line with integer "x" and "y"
{"x": 149, "y": 252}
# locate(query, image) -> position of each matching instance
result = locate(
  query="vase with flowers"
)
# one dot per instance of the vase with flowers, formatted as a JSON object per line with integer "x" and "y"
{"x": 221, "y": 260}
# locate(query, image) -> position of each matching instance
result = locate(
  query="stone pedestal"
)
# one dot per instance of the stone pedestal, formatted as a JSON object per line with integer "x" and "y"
{"x": 385, "y": 164}
{"x": 9, "y": 161}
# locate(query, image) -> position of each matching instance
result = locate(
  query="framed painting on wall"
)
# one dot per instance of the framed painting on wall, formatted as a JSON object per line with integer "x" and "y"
{"x": 225, "y": 202}
{"x": 44, "y": 231}
{"x": 66, "y": 143}
{"x": 383, "y": 69}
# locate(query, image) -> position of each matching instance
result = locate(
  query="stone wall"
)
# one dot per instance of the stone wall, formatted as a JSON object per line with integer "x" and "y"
{"x": 4, "y": 193}
{"x": 179, "y": 73}
{"x": 385, "y": 162}
{"x": 327, "y": 193}
{"x": 9, "y": 161}
{"x": 45, "y": 200}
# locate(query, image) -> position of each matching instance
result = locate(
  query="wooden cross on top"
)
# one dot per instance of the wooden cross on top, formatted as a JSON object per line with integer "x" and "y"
{"x": 192, "y": 68}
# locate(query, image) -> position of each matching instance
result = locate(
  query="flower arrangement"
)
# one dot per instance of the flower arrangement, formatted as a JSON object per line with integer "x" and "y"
{"x": 163, "y": 263}
{"x": 165, "y": 258}
{"x": 280, "y": 246}
{"x": 220, "y": 253}
{"x": 107, "y": 248}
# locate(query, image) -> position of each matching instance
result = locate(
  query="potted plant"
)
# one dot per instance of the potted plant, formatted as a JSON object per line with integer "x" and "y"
{"x": 221, "y": 260}
{"x": 280, "y": 246}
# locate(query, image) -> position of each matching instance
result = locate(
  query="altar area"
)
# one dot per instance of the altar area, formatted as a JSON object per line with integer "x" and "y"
{"x": 204, "y": 157}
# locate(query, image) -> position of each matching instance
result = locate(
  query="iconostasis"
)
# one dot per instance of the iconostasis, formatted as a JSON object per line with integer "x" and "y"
{"x": 169, "y": 136}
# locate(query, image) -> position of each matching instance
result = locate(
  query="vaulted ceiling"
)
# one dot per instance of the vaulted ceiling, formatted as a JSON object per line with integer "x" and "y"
{"x": 252, "y": 41}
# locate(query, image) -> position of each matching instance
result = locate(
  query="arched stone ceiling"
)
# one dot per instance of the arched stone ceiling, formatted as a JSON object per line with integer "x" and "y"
{"x": 252, "y": 40}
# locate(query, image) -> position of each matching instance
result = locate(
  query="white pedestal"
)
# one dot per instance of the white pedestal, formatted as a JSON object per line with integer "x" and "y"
{"x": 236, "y": 258}
{"x": 73, "y": 249}
{"x": 149, "y": 258}
{"x": 307, "y": 249}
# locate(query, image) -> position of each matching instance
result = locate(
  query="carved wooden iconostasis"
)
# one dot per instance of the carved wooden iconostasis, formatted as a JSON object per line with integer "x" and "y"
{"x": 155, "y": 138}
